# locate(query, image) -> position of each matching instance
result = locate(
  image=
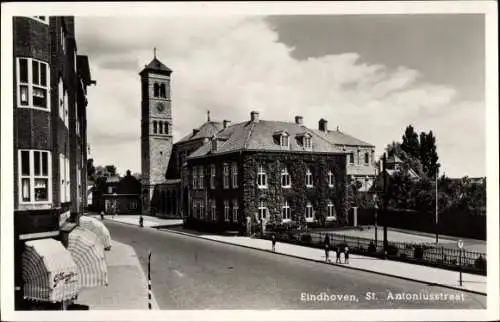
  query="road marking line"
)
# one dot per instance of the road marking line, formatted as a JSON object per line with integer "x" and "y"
{"x": 178, "y": 273}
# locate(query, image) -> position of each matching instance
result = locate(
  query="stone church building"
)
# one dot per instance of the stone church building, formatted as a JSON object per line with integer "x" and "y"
{"x": 226, "y": 175}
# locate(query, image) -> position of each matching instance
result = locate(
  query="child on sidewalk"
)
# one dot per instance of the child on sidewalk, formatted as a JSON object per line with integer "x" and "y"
{"x": 337, "y": 251}
{"x": 346, "y": 255}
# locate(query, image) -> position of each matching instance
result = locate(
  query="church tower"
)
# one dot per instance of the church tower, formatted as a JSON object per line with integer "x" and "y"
{"x": 156, "y": 128}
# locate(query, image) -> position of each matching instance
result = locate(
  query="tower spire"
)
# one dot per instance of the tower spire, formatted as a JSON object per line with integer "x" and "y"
{"x": 208, "y": 116}
{"x": 154, "y": 50}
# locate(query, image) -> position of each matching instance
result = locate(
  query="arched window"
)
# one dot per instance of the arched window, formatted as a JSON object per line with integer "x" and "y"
{"x": 155, "y": 127}
{"x": 160, "y": 125}
{"x": 162, "y": 91}
{"x": 156, "y": 90}
{"x": 166, "y": 128}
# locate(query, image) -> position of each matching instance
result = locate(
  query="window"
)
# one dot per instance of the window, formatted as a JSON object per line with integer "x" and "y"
{"x": 160, "y": 125}
{"x": 235, "y": 210}
{"x": 165, "y": 130}
{"x": 331, "y": 179}
{"x": 225, "y": 178}
{"x": 261, "y": 177}
{"x": 195, "y": 208}
{"x": 195, "y": 177}
{"x": 309, "y": 178}
{"x": 285, "y": 178}
{"x": 155, "y": 127}
{"x": 226, "y": 210}
{"x": 32, "y": 84}
{"x": 234, "y": 175}
{"x": 133, "y": 204}
{"x": 285, "y": 211}
{"x": 35, "y": 176}
{"x": 66, "y": 110}
{"x": 330, "y": 210}
{"x": 63, "y": 40}
{"x": 201, "y": 182}
{"x": 202, "y": 209}
{"x": 77, "y": 120}
{"x": 214, "y": 144}
{"x": 262, "y": 210}
{"x": 156, "y": 90}
{"x": 351, "y": 158}
{"x": 309, "y": 211}
{"x": 284, "y": 140}
{"x": 212, "y": 176}
{"x": 367, "y": 158}
{"x": 307, "y": 142}
{"x": 213, "y": 210}
{"x": 163, "y": 93}
{"x": 60, "y": 92}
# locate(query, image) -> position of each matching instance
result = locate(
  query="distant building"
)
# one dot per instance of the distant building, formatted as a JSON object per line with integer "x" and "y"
{"x": 360, "y": 155}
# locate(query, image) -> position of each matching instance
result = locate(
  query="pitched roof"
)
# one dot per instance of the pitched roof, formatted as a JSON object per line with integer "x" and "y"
{"x": 260, "y": 136}
{"x": 393, "y": 159}
{"x": 206, "y": 130}
{"x": 341, "y": 138}
{"x": 156, "y": 66}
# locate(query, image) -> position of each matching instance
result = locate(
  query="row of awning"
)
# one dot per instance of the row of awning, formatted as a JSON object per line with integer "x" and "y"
{"x": 53, "y": 273}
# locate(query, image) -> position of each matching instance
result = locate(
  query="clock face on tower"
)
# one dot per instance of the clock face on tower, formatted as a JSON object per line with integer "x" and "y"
{"x": 160, "y": 107}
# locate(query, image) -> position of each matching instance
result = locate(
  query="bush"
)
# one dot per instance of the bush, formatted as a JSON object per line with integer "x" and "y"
{"x": 480, "y": 262}
{"x": 392, "y": 250}
{"x": 372, "y": 248}
{"x": 306, "y": 238}
{"x": 418, "y": 252}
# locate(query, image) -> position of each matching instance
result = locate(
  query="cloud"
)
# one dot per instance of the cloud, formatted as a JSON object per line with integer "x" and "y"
{"x": 232, "y": 65}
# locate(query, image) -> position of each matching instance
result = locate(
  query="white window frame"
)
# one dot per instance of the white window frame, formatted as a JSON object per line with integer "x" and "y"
{"x": 63, "y": 39}
{"x": 309, "y": 178}
{"x": 212, "y": 176}
{"x": 214, "y": 210}
{"x": 202, "y": 209}
{"x": 226, "y": 210}
{"x": 201, "y": 179}
{"x": 30, "y": 85}
{"x": 225, "y": 176}
{"x": 331, "y": 179}
{"x": 234, "y": 175}
{"x": 32, "y": 177}
{"x": 235, "y": 210}
{"x": 330, "y": 213}
{"x": 195, "y": 177}
{"x": 60, "y": 101}
{"x": 262, "y": 210}
{"x": 309, "y": 212}
{"x": 284, "y": 140}
{"x": 285, "y": 176}
{"x": 307, "y": 142}
{"x": 286, "y": 213}
{"x": 261, "y": 177}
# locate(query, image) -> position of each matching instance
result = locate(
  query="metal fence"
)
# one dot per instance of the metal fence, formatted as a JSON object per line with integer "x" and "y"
{"x": 425, "y": 254}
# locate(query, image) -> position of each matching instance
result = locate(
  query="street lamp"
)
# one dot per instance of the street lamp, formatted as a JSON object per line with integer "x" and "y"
{"x": 114, "y": 203}
{"x": 437, "y": 211}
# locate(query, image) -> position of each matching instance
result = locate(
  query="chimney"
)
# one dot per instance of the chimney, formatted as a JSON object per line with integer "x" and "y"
{"x": 226, "y": 123}
{"x": 323, "y": 125}
{"x": 254, "y": 116}
{"x": 195, "y": 131}
{"x": 299, "y": 120}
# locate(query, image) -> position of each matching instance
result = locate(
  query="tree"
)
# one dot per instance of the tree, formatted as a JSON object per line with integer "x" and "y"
{"x": 90, "y": 169}
{"x": 428, "y": 154}
{"x": 410, "y": 144}
{"x": 111, "y": 169}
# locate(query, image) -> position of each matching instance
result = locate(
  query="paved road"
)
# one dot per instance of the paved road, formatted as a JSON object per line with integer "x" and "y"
{"x": 192, "y": 273}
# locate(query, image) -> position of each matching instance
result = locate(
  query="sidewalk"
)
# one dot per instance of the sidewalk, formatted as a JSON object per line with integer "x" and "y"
{"x": 127, "y": 283}
{"x": 418, "y": 273}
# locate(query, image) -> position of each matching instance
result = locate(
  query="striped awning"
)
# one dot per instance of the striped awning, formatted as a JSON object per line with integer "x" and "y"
{"x": 98, "y": 228}
{"x": 49, "y": 271}
{"x": 88, "y": 254}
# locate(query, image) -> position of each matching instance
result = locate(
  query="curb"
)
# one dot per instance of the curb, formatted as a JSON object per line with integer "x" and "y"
{"x": 154, "y": 304}
{"x": 322, "y": 262}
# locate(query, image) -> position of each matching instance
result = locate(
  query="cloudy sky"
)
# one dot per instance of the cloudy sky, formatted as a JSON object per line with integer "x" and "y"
{"x": 370, "y": 75}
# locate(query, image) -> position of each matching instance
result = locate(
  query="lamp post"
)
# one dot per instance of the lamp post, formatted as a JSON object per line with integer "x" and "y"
{"x": 376, "y": 220}
{"x": 385, "y": 200}
{"x": 437, "y": 211}
{"x": 114, "y": 203}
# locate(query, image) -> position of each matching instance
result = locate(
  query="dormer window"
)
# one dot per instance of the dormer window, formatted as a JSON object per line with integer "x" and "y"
{"x": 284, "y": 140}
{"x": 307, "y": 142}
{"x": 214, "y": 144}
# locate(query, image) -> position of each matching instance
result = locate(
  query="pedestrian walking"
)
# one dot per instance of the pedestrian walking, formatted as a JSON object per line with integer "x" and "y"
{"x": 346, "y": 254}
{"x": 337, "y": 251}
{"x": 141, "y": 221}
{"x": 102, "y": 215}
{"x": 327, "y": 247}
{"x": 273, "y": 240}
